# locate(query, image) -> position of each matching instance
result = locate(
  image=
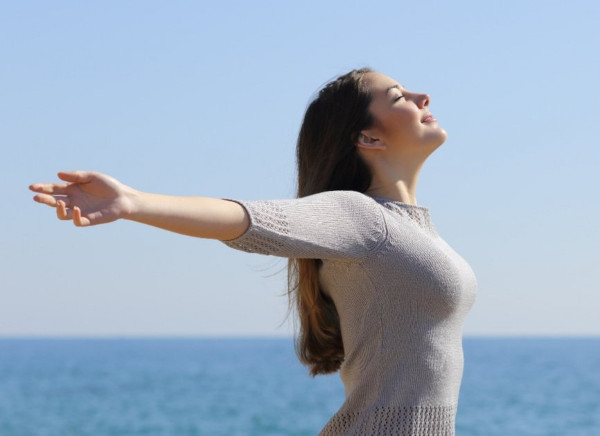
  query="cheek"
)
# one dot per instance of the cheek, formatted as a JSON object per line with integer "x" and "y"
{"x": 401, "y": 123}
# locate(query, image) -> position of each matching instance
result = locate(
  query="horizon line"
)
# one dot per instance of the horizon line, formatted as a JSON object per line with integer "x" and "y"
{"x": 264, "y": 336}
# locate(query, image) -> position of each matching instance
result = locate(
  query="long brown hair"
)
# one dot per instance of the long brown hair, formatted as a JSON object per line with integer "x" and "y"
{"x": 328, "y": 160}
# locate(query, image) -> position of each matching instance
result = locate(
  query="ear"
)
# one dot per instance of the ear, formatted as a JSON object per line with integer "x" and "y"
{"x": 368, "y": 142}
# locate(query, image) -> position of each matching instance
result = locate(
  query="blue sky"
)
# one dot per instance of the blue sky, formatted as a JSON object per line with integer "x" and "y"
{"x": 205, "y": 98}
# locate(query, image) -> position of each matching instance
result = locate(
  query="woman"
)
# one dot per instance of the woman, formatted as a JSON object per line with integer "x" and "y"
{"x": 379, "y": 294}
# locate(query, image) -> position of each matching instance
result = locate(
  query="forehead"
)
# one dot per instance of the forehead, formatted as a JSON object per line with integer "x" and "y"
{"x": 380, "y": 84}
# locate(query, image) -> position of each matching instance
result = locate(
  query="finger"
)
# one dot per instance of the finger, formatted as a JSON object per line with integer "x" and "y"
{"x": 62, "y": 212}
{"x": 75, "y": 176}
{"x": 50, "y": 200}
{"x": 78, "y": 220}
{"x": 49, "y": 188}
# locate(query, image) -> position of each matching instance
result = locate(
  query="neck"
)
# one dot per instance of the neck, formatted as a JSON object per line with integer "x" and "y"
{"x": 396, "y": 181}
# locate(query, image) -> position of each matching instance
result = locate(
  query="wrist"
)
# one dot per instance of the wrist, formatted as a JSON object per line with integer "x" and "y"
{"x": 132, "y": 204}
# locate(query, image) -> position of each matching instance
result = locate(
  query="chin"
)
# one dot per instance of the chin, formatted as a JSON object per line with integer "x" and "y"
{"x": 443, "y": 136}
{"x": 437, "y": 138}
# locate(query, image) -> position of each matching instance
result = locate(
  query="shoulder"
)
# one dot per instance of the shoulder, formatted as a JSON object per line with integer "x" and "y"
{"x": 352, "y": 210}
{"x": 345, "y": 199}
{"x": 341, "y": 206}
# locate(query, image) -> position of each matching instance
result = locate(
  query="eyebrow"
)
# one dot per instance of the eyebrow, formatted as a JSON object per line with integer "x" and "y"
{"x": 396, "y": 86}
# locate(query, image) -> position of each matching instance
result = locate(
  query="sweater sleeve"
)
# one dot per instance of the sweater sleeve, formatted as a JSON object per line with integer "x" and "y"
{"x": 329, "y": 225}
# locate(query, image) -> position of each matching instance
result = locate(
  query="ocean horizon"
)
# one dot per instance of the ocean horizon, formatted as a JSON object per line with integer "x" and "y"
{"x": 255, "y": 386}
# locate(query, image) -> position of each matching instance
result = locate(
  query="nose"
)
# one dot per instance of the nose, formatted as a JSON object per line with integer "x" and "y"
{"x": 423, "y": 100}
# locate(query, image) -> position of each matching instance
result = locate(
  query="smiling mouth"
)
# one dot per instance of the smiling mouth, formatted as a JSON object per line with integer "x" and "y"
{"x": 428, "y": 119}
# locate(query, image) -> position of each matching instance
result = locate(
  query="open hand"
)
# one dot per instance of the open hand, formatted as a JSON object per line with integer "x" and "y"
{"x": 87, "y": 198}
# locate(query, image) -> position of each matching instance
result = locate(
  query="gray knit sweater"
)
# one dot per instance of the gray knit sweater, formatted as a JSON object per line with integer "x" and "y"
{"x": 402, "y": 295}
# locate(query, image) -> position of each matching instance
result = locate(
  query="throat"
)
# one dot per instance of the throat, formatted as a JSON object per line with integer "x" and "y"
{"x": 395, "y": 180}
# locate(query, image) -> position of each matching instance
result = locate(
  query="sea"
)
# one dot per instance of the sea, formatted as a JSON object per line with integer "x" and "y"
{"x": 255, "y": 386}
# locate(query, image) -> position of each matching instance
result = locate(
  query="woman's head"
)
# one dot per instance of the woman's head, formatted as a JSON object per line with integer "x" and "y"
{"x": 403, "y": 127}
{"x": 356, "y": 121}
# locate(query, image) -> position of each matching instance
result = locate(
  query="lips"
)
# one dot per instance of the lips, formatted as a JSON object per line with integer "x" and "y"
{"x": 428, "y": 119}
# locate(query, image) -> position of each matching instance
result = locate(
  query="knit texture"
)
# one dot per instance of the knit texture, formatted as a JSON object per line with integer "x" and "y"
{"x": 402, "y": 295}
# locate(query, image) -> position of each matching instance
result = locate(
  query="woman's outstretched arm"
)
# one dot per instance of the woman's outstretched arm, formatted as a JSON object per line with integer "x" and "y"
{"x": 90, "y": 198}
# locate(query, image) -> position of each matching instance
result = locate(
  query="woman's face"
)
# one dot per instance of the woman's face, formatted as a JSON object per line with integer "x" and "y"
{"x": 403, "y": 121}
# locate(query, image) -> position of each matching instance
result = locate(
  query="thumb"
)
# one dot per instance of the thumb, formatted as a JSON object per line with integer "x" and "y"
{"x": 75, "y": 176}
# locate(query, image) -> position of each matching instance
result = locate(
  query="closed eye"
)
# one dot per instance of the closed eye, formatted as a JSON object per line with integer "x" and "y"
{"x": 398, "y": 98}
